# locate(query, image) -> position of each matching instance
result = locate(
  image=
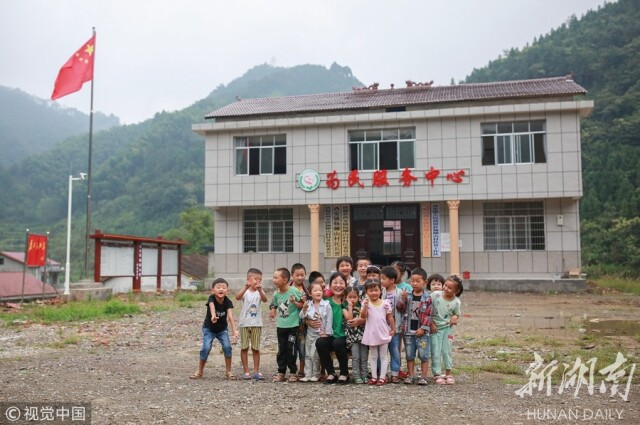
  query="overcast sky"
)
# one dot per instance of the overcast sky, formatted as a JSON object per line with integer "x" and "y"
{"x": 154, "y": 55}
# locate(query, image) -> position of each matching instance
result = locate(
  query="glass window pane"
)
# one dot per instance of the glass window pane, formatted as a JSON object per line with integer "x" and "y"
{"x": 277, "y": 236}
{"x": 407, "y": 155}
{"x": 369, "y": 156}
{"x": 254, "y": 141}
{"x": 521, "y": 127}
{"x": 523, "y": 149}
{"x": 241, "y": 142}
{"x": 489, "y": 128}
{"x": 488, "y": 150}
{"x": 281, "y": 139}
{"x": 539, "y": 148}
{"x": 504, "y": 149}
{"x": 263, "y": 236}
{"x": 407, "y": 133}
{"x": 353, "y": 156}
{"x": 356, "y": 136}
{"x": 505, "y": 127}
{"x": 266, "y": 161}
{"x": 241, "y": 161}
{"x": 267, "y": 140}
{"x": 254, "y": 161}
{"x": 280, "y": 161}
{"x": 537, "y": 125}
{"x": 390, "y": 134}
{"x": 373, "y": 135}
{"x": 388, "y": 156}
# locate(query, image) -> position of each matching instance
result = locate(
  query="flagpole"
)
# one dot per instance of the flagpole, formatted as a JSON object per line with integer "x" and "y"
{"x": 24, "y": 266}
{"x": 88, "y": 229}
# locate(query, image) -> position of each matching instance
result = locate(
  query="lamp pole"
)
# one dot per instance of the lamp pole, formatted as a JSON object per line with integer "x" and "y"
{"x": 67, "y": 266}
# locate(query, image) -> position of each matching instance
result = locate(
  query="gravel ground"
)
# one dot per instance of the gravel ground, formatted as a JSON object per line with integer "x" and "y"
{"x": 136, "y": 370}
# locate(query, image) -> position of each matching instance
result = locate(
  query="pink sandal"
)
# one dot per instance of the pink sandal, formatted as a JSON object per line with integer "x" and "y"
{"x": 450, "y": 380}
{"x": 441, "y": 380}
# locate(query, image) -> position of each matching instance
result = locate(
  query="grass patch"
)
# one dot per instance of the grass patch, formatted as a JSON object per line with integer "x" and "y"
{"x": 74, "y": 311}
{"x": 543, "y": 340}
{"x": 499, "y": 341}
{"x": 628, "y": 286}
{"x": 72, "y": 340}
{"x": 505, "y": 368}
{"x": 187, "y": 299}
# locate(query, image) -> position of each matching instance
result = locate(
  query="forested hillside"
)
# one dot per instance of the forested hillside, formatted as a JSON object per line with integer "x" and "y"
{"x": 144, "y": 175}
{"x": 602, "y": 49}
{"x": 29, "y": 125}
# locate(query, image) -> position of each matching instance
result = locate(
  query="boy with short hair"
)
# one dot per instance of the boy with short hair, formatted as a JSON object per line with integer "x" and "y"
{"x": 252, "y": 295}
{"x": 298, "y": 276}
{"x": 416, "y": 325}
{"x": 286, "y": 306}
{"x": 218, "y": 317}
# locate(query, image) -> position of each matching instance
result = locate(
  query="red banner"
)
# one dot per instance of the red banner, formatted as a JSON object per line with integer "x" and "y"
{"x": 36, "y": 250}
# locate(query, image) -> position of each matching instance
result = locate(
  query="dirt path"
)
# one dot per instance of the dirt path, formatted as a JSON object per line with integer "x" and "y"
{"x": 135, "y": 370}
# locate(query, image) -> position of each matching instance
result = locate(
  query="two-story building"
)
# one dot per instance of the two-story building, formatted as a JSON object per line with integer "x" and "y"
{"x": 476, "y": 179}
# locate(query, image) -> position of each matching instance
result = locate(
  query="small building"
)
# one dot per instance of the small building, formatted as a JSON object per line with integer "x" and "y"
{"x": 13, "y": 261}
{"x": 476, "y": 179}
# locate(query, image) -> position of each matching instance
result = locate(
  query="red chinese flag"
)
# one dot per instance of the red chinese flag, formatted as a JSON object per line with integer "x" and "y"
{"x": 36, "y": 250}
{"x": 77, "y": 70}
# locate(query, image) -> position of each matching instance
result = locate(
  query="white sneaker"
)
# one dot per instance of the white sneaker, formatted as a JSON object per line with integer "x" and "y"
{"x": 304, "y": 379}
{"x": 313, "y": 379}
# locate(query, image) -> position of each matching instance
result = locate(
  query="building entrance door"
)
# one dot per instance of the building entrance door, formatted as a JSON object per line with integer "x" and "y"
{"x": 386, "y": 233}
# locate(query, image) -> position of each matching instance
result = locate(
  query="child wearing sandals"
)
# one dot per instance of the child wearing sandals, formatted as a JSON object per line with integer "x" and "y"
{"x": 359, "y": 351}
{"x": 316, "y": 308}
{"x": 416, "y": 326}
{"x": 252, "y": 296}
{"x": 445, "y": 313}
{"x": 219, "y": 315}
{"x": 379, "y": 329}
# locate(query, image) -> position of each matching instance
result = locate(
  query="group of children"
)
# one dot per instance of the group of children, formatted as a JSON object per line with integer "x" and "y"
{"x": 369, "y": 316}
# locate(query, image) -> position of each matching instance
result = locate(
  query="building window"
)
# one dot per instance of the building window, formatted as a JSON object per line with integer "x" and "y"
{"x": 520, "y": 142}
{"x": 388, "y": 149}
{"x": 514, "y": 226}
{"x": 257, "y": 155}
{"x": 268, "y": 230}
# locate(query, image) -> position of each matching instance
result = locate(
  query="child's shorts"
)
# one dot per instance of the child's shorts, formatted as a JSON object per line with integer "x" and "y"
{"x": 250, "y": 336}
{"x": 419, "y": 344}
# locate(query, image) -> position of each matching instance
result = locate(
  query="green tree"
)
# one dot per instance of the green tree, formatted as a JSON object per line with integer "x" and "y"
{"x": 196, "y": 227}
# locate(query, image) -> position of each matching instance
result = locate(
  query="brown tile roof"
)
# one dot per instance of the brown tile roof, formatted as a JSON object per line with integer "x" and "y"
{"x": 196, "y": 265}
{"x": 365, "y": 99}
{"x": 11, "y": 286}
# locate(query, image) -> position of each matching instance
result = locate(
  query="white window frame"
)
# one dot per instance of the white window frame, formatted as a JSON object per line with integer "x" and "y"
{"x": 244, "y": 145}
{"x": 506, "y": 147}
{"x": 371, "y": 138}
{"x": 514, "y": 226}
{"x": 272, "y": 232}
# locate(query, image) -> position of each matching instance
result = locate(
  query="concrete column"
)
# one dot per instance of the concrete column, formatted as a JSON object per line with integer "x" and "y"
{"x": 454, "y": 233}
{"x": 315, "y": 236}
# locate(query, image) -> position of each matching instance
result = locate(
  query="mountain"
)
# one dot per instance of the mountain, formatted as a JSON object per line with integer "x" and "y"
{"x": 29, "y": 125}
{"x": 144, "y": 174}
{"x": 602, "y": 49}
